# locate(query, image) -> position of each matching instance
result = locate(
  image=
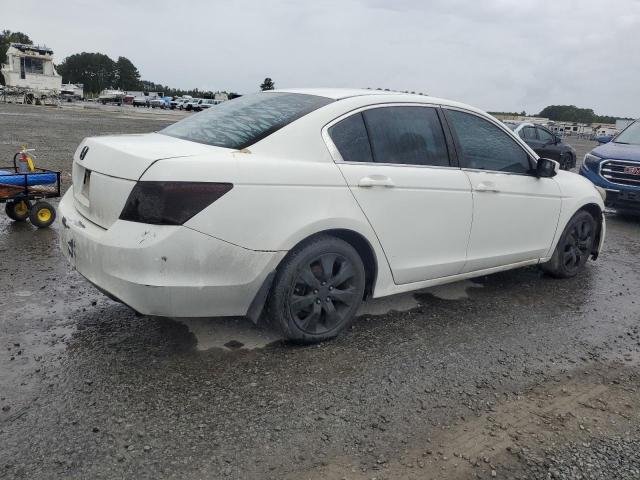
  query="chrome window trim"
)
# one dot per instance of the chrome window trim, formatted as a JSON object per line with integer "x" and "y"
{"x": 337, "y": 157}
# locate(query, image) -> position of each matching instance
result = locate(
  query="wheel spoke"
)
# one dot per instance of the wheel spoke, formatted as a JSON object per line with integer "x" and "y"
{"x": 328, "y": 261}
{"x": 343, "y": 296}
{"x": 345, "y": 273}
{"x": 300, "y": 302}
{"x": 311, "y": 322}
{"x": 309, "y": 278}
{"x": 332, "y": 314}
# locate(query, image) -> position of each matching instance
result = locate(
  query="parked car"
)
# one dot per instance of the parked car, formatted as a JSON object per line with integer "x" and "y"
{"x": 299, "y": 204}
{"x": 545, "y": 143}
{"x": 160, "y": 102}
{"x": 140, "y": 102}
{"x": 191, "y": 104}
{"x": 615, "y": 166}
{"x": 178, "y": 102}
{"x": 204, "y": 104}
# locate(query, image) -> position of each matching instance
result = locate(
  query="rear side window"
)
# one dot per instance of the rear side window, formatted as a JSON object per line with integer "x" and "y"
{"x": 351, "y": 139}
{"x": 485, "y": 146}
{"x": 406, "y": 135}
{"x": 243, "y": 121}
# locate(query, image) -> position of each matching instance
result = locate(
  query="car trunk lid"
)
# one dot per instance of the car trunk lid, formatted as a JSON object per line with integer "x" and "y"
{"x": 105, "y": 170}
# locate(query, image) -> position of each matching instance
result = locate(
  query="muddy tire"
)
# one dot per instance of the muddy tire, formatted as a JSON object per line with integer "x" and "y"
{"x": 574, "y": 247}
{"x": 317, "y": 290}
{"x": 18, "y": 211}
{"x": 42, "y": 214}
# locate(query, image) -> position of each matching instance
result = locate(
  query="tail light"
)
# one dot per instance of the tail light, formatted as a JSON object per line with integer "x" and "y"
{"x": 170, "y": 203}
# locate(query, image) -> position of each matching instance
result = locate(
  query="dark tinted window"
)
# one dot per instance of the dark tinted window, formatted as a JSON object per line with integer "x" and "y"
{"x": 485, "y": 146}
{"x": 544, "y": 136}
{"x": 528, "y": 133}
{"x": 407, "y": 135}
{"x": 350, "y": 137}
{"x": 243, "y": 121}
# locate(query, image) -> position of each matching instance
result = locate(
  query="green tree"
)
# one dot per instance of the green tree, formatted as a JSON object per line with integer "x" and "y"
{"x": 127, "y": 75}
{"x": 267, "y": 84}
{"x": 6, "y": 38}
{"x": 95, "y": 70}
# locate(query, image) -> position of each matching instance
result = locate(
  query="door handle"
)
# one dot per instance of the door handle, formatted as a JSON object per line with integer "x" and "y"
{"x": 486, "y": 187}
{"x": 376, "y": 181}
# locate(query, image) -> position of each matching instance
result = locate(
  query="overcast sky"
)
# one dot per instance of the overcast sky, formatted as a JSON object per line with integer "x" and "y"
{"x": 494, "y": 54}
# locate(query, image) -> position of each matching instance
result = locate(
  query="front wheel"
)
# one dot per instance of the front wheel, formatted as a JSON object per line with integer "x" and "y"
{"x": 574, "y": 247}
{"x": 317, "y": 290}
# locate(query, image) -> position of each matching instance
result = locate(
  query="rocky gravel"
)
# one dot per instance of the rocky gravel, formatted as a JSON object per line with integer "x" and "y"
{"x": 514, "y": 375}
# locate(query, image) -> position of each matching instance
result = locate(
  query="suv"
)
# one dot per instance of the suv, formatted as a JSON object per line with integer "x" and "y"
{"x": 545, "y": 143}
{"x": 615, "y": 166}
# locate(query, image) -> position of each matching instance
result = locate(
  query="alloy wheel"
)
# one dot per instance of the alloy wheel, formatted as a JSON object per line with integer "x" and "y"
{"x": 577, "y": 245}
{"x": 323, "y": 293}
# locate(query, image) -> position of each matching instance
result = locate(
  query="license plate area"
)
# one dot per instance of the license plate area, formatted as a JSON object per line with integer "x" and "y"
{"x": 86, "y": 184}
{"x": 629, "y": 196}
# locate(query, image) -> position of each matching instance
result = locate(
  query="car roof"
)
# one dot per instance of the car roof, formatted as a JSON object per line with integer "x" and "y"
{"x": 393, "y": 96}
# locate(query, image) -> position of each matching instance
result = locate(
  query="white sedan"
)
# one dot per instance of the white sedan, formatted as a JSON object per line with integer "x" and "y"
{"x": 300, "y": 204}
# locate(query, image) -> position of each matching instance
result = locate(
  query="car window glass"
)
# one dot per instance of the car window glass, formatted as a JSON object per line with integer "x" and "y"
{"x": 544, "y": 135}
{"x": 484, "y": 146}
{"x": 406, "y": 135}
{"x": 241, "y": 122}
{"x": 351, "y": 140}
{"x": 528, "y": 133}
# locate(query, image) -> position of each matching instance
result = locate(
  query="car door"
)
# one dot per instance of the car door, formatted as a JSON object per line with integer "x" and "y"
{"x": 395, "y": 159}
{"x": 548, "y": 145}
{"x": 515, "y": 213}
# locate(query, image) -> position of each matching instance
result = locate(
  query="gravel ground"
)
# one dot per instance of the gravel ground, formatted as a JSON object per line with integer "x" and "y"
{"x": 513, "y": 375}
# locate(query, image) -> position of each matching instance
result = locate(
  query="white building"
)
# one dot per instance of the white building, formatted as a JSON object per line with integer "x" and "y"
{"x": 220, "y": 97}
{"x": 31, "y": 67}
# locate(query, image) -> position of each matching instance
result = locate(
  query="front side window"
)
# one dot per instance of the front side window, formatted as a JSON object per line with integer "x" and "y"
{"x": 484, "y": 146}
{"x": 244, "y": 121}
{"x": 406, "y": 135}
{"x": 545, "y": 136}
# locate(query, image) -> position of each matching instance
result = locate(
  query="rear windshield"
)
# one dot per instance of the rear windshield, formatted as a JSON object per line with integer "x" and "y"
{"x": 243, "y": 121}
{"x": 630, "y": 135}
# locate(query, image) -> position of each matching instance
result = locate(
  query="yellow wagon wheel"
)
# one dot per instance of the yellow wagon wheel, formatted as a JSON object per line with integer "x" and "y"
{"x": 18, "y": 210}
{"x": 42, "y": 214}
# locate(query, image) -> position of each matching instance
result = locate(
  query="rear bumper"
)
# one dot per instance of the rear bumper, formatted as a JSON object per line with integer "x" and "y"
{"x": 170, "y": 271}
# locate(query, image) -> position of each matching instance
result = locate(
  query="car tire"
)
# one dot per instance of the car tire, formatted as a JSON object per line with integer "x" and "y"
{"x": 317, "y": 290}
{"x": 42, "y": 214}
{"x": 18, "y": 211}
{"x": 574, "y": 247}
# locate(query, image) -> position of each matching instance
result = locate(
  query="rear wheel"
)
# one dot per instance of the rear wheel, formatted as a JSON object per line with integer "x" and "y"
{"x": 18, "y": 211}
{"x": 317, "y": 290}
{"x": 42, "y": 214}
{"x": 574, "y": 248}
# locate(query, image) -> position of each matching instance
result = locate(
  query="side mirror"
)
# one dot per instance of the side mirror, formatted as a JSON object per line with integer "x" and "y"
{"x": 547, "y": 168}
{"x": 557, "y": 140}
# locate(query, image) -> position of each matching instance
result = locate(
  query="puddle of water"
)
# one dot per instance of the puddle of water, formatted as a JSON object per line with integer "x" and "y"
{"x": 228, "y": 333}
{"x": 237, "y": 333}
{"x": 406, "y": 301}
{"x": 453, "y": 291}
